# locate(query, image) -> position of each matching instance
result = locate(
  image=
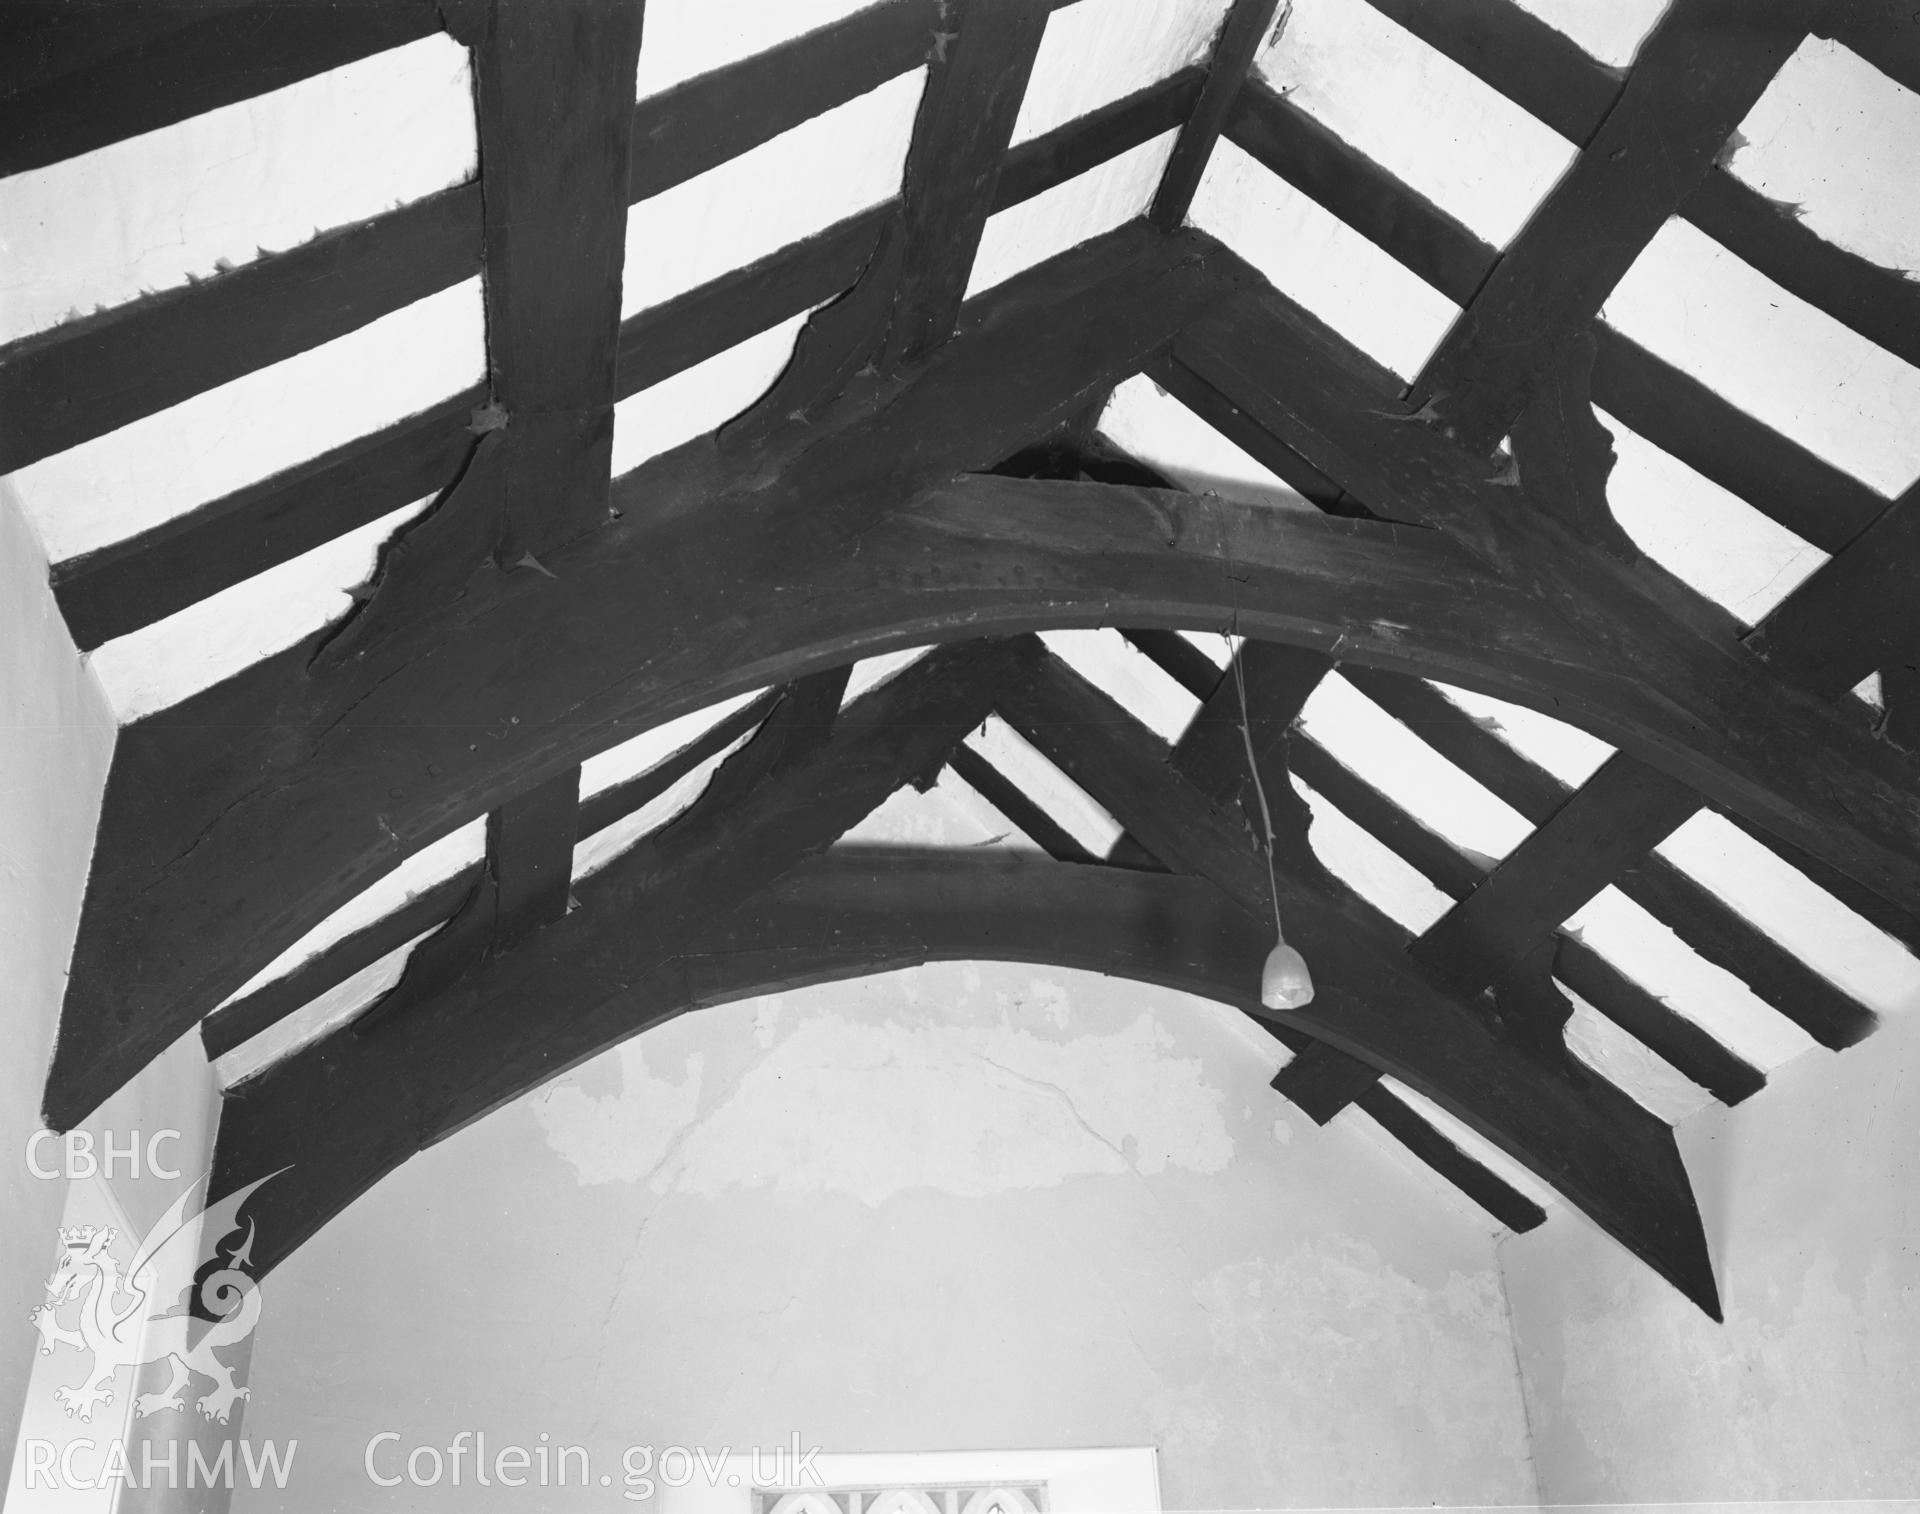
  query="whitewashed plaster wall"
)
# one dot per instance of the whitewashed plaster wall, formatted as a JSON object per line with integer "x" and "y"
{"x": 1809, "y": 1391}
{"x": 960, "y": 1207}
{"x": 56, "y": 737}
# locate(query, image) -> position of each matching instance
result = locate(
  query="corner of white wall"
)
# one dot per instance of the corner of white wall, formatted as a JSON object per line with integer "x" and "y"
{"x": 56, "y": 740}
{"x": 1806, "y": 1392}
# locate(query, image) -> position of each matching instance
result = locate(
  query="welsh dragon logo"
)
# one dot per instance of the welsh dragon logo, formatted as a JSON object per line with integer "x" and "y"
{"x": 146, "y": 1313}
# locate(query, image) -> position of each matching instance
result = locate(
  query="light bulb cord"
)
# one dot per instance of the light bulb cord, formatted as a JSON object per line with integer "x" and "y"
{"x": 1259, "y": 788}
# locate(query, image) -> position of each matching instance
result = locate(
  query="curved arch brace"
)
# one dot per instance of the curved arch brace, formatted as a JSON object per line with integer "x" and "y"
{"x": 347, "y": 1110}
{"x": 239, "y": 819}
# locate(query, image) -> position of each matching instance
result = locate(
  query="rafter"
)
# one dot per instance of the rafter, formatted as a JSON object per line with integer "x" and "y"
{"x": 1711, "y": 927}
{"x": 976, "y": 554}
{"x": 83, "y": 378}
{"x": 1596, "y": 1146}
{"x": 1855, "y": 614}
{"x": 528, "y": 674}
{"x": 1675, "y": 412}
{"x": 553, "y": 93}
{"x": 1693, "y": 81}
{"x": 78, "y": 77}
{"x": 975, "y": 84}
{"x": 1851, "y": 805}
{"x": 1544, "y": 73}
{"x": 147, "y": 577}
{"x": 1239, "y": 42}
{"x": 1682, "y": 1043}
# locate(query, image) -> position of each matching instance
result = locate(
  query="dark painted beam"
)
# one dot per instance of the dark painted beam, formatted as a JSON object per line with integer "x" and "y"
{"x": 145, "y": 578}
{"x": 1696, "y": 76}
{"x": 980, "y": 552}
{"x": 1487, "y": 1189}
{"x": 133, "y": 583}
{"x": 1343, "y": 181}
{"x": 364, "y": 1098}
{"x": 717, "y": 116}
{"x": 1011, "y": 801}
{"x": 1680, "y": 415}
{"x": 1880, "y": 304}
{"x": 1546, "y": 74}
{"x": 1351, "y": 186}
{"x": 1609, "y": 823}
{"x": 1179, "y": 659}
{"x": 530, "y": 854}
{"x": 1066, "y": 151}
{"x": 683, "y": 131}
{"x": 601, "y": 810}
{"x": 1884, "y": 32}
{"x": 234, "y": 1024}
{"x": 74, "y": 78}
{"x": 1263, "y": 446}
{"x": 240, "y": 1021}
{"x": 851, "y": 912}
{"x": 975, "y": 83}
{"x": 1718, "y": 932}
{"x": 1856, "y": 613}
{"x": 1684, "y": 1045}
{"x": 529, "y": 674}
{"x": 554, "y": 96}
{"x": 1234, "y": 50}
{"x": 1676, "y": 413}
{"x": 1328, "y": 402}
{"x": 86, "y": 377}
{"x": 1606, "y": 1154}
{"x": 1543, "y": 71}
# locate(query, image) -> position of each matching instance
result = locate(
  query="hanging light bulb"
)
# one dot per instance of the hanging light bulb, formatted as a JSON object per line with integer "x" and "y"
{"x": 1285, "y": 982}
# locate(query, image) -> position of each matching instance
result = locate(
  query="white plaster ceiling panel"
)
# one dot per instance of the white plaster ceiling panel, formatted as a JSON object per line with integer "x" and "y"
{"x": 651, "y": 747}
{"x": 594, "y": 852}
{"x": 1371, "y": 869}
{"x": 427, "y": 867}
{"x": 870, "y": 672}
{"x": 1838, "y": 140}
{"x": 1148, "y": 423}
{"x": 801, "y": 182}
{"x": 1474, "y": 1144}
{"x": 1415, "y": 776}
{"x": 261, "y": 175}
{"x": 702, "y": 398}
{"x": 1690, "y": 301}
{"x": 951, "y": 813}
{"x": 1379, "y": 305}
{"x": 1034, "y": 774}
{"x": 1130, "y": 678}
{"x": 1660, "y": 962}
{"x": 1566, "y": 751}
{"x": 1097, "y": 51}
{"x": 1705, "y": 536}
{"x": 338, "y": 1005}
{"x": 1611, "y": 30}
{"x": 1803, "y": 917}
{"x": 1068, "y": 214}
{"x": 1418, "y": 114}
{"x": 1644, "y": 1076}
{"x": 202, "y": 448}
{"x": 683, "y": 39}
{"x": 216, "y": 637}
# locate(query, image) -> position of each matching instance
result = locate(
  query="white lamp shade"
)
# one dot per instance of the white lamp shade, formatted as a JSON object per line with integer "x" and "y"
{"x": 1285, "y": 982}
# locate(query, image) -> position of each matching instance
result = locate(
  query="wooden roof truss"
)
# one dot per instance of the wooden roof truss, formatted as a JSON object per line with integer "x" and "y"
{"x": 927, "y": 471}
